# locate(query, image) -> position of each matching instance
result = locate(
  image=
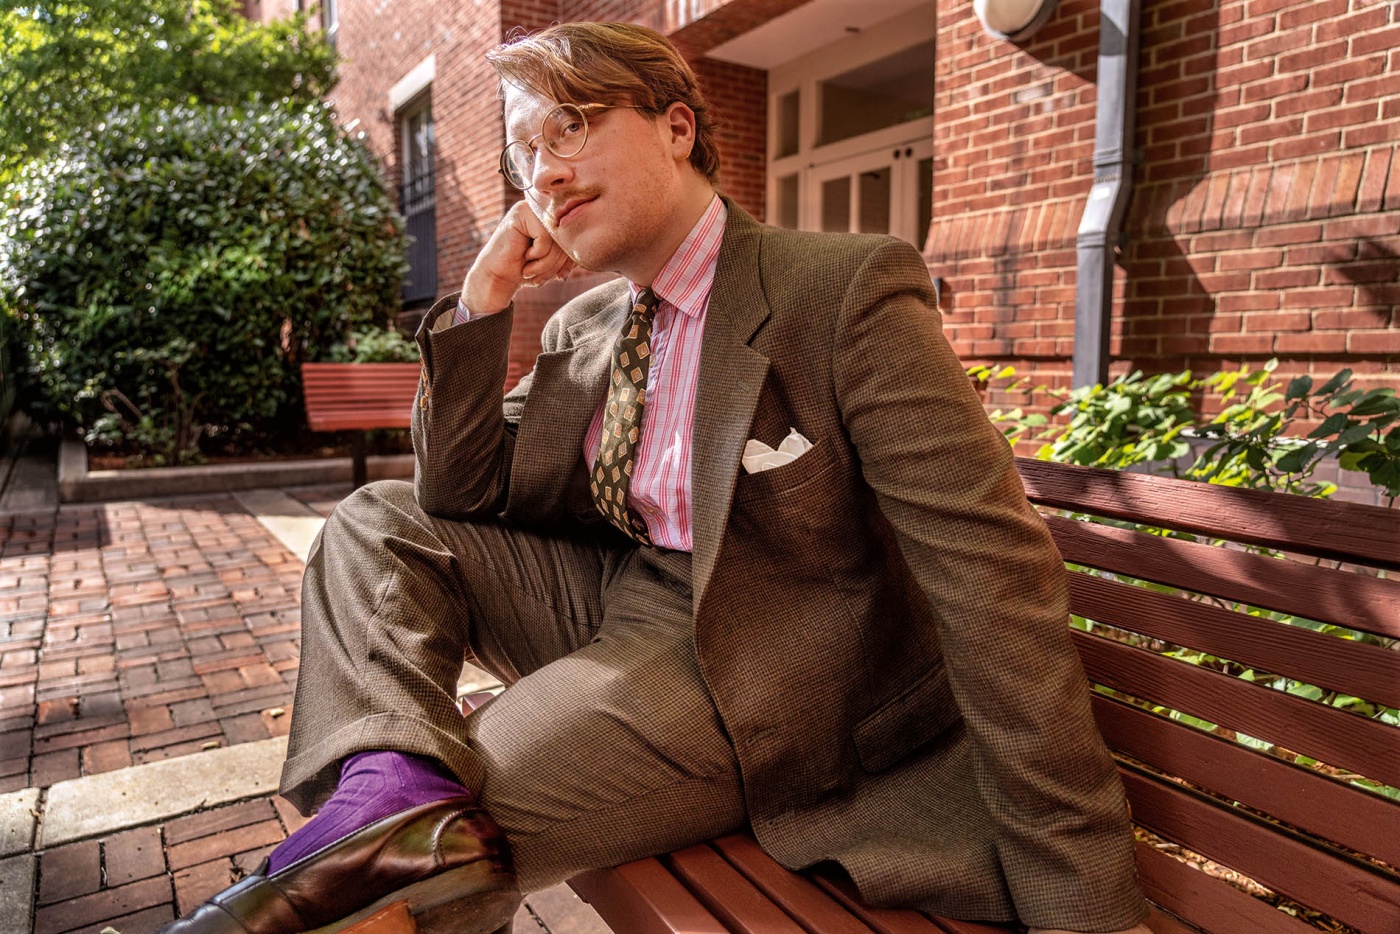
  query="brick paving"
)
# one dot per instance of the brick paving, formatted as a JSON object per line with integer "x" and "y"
{"x": 137, "y": 631}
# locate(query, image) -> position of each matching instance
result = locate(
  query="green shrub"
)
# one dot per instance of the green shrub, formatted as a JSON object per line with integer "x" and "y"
{"x": 169, "y": 270}
{"x": 1256, "y": 441}
{"x": 374, "y": 345}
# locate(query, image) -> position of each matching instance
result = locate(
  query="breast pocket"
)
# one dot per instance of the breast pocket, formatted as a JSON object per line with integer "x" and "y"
{"x": 817, "y": 461}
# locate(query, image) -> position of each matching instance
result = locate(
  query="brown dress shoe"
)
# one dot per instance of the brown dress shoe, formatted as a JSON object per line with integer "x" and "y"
{"x": 445, "y": 860}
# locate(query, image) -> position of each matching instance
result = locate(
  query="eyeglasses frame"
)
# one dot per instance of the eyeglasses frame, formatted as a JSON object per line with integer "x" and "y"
{"x": 583, "y": 110}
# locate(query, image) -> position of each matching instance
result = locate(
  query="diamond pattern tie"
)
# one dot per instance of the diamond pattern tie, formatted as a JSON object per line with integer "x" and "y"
{"x": 622, "y": 418}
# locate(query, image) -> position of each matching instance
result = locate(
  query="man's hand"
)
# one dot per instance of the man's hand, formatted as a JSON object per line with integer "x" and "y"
{"x": 519, "y": 252}
{"x": 1139, "y": 929}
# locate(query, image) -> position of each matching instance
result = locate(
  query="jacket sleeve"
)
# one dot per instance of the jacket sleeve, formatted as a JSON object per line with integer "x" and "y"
{"x": 463, "y": 431}
{"x": 945, "y": 480}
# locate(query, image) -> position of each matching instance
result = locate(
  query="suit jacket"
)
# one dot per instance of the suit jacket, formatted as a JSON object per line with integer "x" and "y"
{"x": 882, "y": 623}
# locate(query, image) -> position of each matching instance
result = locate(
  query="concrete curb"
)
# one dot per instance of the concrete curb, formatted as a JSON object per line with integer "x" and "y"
{"x": 157, "y": 791}
{"x": 77, "y": 484}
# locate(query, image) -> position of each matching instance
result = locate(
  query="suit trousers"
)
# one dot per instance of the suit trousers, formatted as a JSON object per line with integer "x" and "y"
{"x": 605, "y": 745}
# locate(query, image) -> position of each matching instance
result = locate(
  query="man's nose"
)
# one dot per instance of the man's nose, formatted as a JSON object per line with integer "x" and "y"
{"x": 549, "y": 170}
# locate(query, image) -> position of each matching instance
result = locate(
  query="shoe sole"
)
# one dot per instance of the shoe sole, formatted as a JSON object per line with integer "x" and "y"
{"x": 472, "y": 899}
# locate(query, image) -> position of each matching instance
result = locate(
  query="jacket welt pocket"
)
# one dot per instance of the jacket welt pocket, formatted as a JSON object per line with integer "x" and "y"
{"x": 911, "y": 719}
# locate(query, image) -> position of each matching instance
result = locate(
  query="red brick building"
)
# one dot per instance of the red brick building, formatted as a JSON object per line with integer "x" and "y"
{"x": 1264, "y": 213}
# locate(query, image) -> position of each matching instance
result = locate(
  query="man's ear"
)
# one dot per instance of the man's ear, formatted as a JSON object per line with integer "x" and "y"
{"x": 680, "y": 121}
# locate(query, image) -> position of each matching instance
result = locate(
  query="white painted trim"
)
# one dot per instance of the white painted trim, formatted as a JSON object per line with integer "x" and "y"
{"x": 412, "y": 84}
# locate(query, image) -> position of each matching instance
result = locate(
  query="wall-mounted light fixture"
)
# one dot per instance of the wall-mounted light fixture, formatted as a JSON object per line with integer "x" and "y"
{"x": 1015, "y": 20}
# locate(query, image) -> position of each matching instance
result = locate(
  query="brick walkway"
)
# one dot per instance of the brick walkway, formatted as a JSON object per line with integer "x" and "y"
{"x": 140, "y": 631}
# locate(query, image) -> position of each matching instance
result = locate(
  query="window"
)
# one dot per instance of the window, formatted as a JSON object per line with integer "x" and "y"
{"x": 330, "y": 18}
{"x": 850, "y": 132}
{"x": 418, "y": 202}
{"x": 883, "y": 93}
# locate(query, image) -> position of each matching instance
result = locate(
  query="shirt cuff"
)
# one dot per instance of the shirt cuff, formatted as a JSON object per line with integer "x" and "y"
{"x": 461, "y": 315}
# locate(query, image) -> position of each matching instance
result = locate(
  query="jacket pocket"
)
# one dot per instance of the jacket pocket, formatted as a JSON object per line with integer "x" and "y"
{"x": 914, "y": 717}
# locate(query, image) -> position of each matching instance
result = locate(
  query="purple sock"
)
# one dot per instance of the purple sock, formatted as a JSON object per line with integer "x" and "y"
{"x": 372, "y": 785}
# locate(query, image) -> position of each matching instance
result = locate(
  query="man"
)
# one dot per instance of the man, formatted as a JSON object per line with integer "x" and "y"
{"x": 861, "y": 653}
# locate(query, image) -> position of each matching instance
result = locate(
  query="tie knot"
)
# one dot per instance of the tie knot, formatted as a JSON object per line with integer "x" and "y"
{"x": 645, "y": 305}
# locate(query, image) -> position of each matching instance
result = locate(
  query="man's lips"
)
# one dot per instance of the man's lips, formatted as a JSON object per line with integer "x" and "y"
{"x": 569, "y": 208}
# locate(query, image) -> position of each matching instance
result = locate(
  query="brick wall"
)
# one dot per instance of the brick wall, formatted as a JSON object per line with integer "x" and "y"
{"x": 1266, "y": 216}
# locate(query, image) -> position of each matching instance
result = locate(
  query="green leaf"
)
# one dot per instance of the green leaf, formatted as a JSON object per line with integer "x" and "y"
{"x": 1299, "y": 387}
{"x": 1330, "y": 426}
{"x": 1335, "y": 383}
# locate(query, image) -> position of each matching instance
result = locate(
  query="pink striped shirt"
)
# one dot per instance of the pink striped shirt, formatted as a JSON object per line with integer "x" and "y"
{"x": 660, "y": 489}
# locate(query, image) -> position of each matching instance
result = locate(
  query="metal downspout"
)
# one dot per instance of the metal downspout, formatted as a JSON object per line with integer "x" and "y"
{"x": 1100, "y": 226}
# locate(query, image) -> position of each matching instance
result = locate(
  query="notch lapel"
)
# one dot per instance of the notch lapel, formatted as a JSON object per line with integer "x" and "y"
{"x": 564, "y": 394}
{"x": 730, "y": 381}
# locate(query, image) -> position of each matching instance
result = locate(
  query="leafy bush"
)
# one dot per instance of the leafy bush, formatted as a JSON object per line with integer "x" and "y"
{"x": 169, "y": 269}
{"x": 1256, "y": 441}
{"x": 68, "y": 63}
{"x": 374, "y": 345}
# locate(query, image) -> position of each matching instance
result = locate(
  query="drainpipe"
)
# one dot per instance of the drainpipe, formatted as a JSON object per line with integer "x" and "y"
{"x": 1100, "y": 227}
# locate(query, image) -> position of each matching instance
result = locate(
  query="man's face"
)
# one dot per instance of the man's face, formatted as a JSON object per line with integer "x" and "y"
{"x": 608, "y": 205}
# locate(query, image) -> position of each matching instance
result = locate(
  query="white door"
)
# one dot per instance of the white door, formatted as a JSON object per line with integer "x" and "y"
{"x": 886, "y": 190}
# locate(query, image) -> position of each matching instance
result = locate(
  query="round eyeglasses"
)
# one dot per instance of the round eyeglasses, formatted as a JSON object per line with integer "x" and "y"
{"x": 564, "y": 130}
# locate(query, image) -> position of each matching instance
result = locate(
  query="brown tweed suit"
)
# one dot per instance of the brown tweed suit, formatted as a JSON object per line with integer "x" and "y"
{"x": 880, "y": 625}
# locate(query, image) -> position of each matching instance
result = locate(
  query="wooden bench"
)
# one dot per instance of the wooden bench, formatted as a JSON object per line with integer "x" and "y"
{"x": 358, "y": 397}
{"x": 1309, "y": 835}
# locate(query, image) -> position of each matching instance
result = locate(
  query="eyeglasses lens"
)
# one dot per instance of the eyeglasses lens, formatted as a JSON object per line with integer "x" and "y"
{"x": 563, "y": 131}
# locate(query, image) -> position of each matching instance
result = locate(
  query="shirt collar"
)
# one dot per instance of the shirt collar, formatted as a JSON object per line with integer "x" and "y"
{"x": 693, "y": 263}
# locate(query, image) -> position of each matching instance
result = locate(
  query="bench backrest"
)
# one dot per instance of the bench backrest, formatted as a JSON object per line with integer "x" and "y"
{"x": 341, "y": 396}
{"x": 1276, "y": 781}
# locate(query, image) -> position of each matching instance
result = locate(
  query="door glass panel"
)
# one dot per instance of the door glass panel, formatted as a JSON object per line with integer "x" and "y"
{"x": 925, "y": 211}
{"x": 787, "y": 124}
{"x": 836, "y": 204}
{"x": 875, "y": 190}
{"x": 787, "y": 202}
{"x": 884, "y": 93}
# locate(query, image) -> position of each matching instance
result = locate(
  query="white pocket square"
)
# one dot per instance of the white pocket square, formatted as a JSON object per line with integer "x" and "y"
{"x": 759, "y": 456}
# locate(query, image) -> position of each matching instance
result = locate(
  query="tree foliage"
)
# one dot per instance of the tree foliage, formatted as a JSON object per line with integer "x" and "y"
{"x": 68, "y": 63}
{"x": 169, "y": 269}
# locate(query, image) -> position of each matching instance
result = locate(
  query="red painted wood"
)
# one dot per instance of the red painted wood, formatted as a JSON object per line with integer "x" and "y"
{"x": 1347, "y": 531}
{"x": 803, "y": 901}
{"x": 1356, "y": 894}
{"x": 892, "y": 921}
{"x": 642, "y": 897}
{"x": 727, "y": 894}
{"x": 1295, "y": 795}
{"x": 1342, "y": 665}
{"x": 1209, "y": 902}
{"x": 1329, "y": 735}
{"x": 1345, "y": 598}
{"x": 344, "y": 396}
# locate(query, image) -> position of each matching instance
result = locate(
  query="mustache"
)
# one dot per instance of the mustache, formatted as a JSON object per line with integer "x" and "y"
{"x": 562, "y": 201}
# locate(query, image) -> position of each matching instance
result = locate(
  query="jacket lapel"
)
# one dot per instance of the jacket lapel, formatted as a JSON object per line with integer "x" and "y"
{"x": 563, "y": 398}
{"x": 731, "y": 378}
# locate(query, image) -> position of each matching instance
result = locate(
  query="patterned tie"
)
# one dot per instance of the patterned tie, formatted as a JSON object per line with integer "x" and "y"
{"x": 622, "y": 418}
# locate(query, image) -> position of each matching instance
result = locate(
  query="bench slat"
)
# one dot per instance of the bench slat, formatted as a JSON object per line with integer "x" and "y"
{"x": 1325, "y": 733}
{"x": 806, "y": 904}
{"x": 1296, "y": 795}
{"x": 1344, "y": 598}
{"x": 1343, "y": 665}
{"x": 1354, "y": 894}
{"x": 892, "y": 920}
{"x": 644, "y": 897}
{"x": 1208, "y": 902}
{"x": 1347, "y": 531}
{"x": 359, "y": 396}
{"x": 727, "y": 894}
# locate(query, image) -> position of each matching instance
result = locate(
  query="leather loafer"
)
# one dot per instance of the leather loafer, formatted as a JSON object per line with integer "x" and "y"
{"x": 445, "y": 860}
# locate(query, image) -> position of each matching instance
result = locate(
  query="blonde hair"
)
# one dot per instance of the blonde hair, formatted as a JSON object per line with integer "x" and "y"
{"x": 609, "y": 63}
